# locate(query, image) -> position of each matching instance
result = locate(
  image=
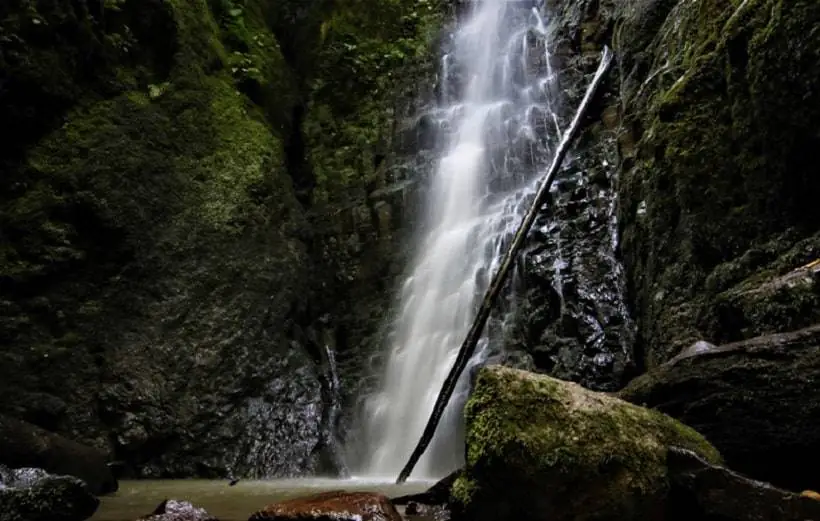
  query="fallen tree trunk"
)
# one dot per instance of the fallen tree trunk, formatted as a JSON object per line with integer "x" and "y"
{"x": 474, "y": 335}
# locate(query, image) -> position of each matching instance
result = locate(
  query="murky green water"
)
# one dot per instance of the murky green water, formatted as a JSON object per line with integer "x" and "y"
{"x": 237, "y": 503}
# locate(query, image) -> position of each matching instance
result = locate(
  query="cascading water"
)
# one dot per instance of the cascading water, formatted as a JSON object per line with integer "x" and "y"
{"x": 497, "y": 97}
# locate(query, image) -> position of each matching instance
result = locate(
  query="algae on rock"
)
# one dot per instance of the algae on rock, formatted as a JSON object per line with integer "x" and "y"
{"x": 541, "y": 448}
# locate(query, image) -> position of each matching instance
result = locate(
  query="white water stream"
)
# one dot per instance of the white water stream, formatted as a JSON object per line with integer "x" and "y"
{"x": 498, "y": 94}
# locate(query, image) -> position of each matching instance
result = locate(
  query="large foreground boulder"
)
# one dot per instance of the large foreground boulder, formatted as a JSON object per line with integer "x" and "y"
{"x": 755, "y": 400}
{"x": 335, "y": 505}
{"x": 34, "y": 495}
{"x": 543, "y": 449}
{"x": 25, "y": 445}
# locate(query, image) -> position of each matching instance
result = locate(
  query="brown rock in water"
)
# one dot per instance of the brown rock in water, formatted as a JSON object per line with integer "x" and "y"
{"x": 331, "y": 506}
{"x": 755, "y": 400}
{"x": 173, "y": 510}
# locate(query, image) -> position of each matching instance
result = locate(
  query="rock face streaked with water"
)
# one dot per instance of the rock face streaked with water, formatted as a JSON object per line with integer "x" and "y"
{"x": 182, "y": 237}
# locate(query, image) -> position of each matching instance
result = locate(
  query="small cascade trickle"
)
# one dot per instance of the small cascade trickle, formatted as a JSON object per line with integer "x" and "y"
{"x": 334, "y": 409}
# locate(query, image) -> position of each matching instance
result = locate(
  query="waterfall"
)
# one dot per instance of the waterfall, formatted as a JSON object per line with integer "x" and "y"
{"x": 499, "y": 127}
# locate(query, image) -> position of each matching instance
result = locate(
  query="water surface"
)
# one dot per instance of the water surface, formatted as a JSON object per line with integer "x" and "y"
{"x": 237, "y": 503}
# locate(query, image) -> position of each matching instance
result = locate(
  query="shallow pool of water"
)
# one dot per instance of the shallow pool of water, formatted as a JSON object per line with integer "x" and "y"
{"x": 237, "y": 503}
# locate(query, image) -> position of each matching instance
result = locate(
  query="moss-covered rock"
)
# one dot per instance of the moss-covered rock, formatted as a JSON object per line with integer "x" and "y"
{"x": 720, "y": 126}
{"x": 540, "y": 448}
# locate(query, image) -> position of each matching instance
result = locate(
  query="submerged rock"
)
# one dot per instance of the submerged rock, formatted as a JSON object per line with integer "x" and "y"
{"x": 25, "y": 445}
{"x": 34, "y": 495}
{"x": 701, "y": 490}
{"x": 173, "y": 510}
{"x": 756, "y": 400}
{"x": 335, "y": 506}
{"x": 540, "y": 448}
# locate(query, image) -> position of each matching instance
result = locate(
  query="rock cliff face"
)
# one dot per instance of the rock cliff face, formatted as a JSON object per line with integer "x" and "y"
{"x": 720, "y": 106}
{"x": 705, "y": 134}
{"x": 190, "y": 190}
{"x": 714, "y": 108}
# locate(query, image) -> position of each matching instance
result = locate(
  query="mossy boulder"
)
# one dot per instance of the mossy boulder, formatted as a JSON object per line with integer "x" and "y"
{"x": 540, "y": 448}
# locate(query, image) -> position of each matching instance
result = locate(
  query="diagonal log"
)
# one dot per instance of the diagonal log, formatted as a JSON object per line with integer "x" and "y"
{"x": 474, "y": 335}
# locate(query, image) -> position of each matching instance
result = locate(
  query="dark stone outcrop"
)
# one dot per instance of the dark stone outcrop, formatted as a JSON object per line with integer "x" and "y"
{"x": 433, "y": 503}
{"x": 755, "y": 400}
{"x": 423, "y": 511}
{"x": 438, "y": 494}
{"x": 33, "y": 495}
{"x": 707, "y": 492}
{"x": 331, "y": 506}
{"x": 173, "y": 510}
{"x": 542, "y": 449}
{"x": 719, "y": 131}
{"x": 26, "y": 445}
